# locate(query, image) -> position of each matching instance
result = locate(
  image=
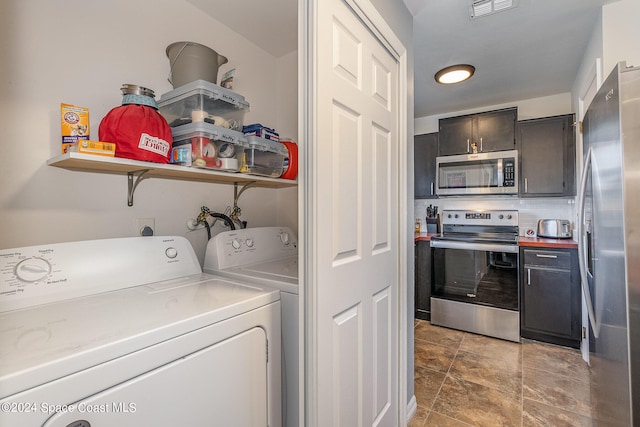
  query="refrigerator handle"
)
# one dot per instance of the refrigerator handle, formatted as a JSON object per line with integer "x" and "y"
{"x": 582, "y": 263}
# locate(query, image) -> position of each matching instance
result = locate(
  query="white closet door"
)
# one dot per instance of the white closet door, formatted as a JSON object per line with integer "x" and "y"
{"x": 355, "y": 188}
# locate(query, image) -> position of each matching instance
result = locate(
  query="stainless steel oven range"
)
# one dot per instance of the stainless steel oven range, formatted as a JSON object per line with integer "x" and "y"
{"x": 475, "y": 273}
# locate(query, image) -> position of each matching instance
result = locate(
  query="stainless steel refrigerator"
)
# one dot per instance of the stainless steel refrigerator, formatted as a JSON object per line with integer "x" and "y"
{"x": 609, "y": 246}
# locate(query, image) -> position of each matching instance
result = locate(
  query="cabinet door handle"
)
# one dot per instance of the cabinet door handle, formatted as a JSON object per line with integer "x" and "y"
{"x": 468, "y": 146}
{"x": 432, "y": 188}
{"x": 526, "y": 185}
{"x": 528, "y": 276}
{"x": 481, "y": 144}
{"x": 546, "y": 256}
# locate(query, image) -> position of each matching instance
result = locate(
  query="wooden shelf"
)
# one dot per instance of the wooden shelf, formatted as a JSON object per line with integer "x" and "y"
{"x": 138, "y": 170}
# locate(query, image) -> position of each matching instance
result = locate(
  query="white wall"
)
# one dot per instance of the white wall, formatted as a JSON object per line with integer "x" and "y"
{"x": 80, "y": 53}
{"x": 287, "y": 126}
{"x": 621, "y": 34}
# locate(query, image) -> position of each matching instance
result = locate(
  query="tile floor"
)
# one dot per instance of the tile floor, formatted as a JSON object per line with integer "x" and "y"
{"x": 464, "y": 379}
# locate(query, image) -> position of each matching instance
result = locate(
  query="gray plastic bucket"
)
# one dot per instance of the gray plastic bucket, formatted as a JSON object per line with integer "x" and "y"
{"x": 192, "y": 61}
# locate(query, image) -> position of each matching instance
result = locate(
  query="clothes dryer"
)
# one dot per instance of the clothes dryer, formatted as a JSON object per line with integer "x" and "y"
{"x": 130, "y": 332}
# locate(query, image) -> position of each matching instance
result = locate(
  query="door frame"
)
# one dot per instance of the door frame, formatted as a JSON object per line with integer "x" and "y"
{"x": 308, "y": 39}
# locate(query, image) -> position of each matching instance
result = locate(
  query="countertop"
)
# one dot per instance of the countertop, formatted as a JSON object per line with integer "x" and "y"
{"x": 522, "y": 241}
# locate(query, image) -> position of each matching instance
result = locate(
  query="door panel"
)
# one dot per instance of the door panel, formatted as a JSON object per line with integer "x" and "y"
{"x": 225, "y": 382}
{"x": 383, "y": 348}
{"x": 344, "y": 201}
{"x": 355, "y": 229}
{"x": 347, "y": 343}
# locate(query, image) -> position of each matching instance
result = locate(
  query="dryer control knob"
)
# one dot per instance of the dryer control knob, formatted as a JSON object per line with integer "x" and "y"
{"x": 171, "y": 252}
{"x": 249, "y": 243}
{"x": 33, "y": 269}
{"x": 235, "y": 243}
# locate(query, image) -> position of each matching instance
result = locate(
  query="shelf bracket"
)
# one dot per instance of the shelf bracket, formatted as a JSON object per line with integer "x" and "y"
{"x": 133, "y": 181}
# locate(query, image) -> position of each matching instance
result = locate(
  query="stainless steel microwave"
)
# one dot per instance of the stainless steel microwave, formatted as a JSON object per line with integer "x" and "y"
{"x": 481, "y": 173}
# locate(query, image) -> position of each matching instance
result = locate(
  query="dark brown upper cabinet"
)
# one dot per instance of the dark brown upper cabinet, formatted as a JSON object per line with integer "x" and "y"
{"x": 425, "y": 150}
{"x": 478, "y": 133}
{"x": 547, "y": 149}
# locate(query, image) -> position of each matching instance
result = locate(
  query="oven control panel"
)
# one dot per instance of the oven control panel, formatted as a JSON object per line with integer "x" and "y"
{"x": 480, "y": 217}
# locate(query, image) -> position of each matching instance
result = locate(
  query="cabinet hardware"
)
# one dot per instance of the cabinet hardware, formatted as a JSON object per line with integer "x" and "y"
{"x": 529, "y": 276}
{"x": 481, "y": 150}
{"x": 468, "y": 146}
{"x": 432, "y": 188}
{"x": 546, "y": 256}
{"x": 526, "y": 185}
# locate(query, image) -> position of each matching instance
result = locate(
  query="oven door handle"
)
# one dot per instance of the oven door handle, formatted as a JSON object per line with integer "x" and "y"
{"x": 488, "y": 247}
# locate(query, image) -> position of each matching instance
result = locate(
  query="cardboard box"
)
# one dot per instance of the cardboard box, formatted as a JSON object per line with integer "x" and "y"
{"x": 94, "y": 147}
{"x": 74, "y": 125}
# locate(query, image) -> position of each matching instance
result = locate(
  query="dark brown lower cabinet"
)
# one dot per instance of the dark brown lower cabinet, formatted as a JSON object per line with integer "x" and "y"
{"x": 423, "y": 260}
{"x": 550, "y": 305}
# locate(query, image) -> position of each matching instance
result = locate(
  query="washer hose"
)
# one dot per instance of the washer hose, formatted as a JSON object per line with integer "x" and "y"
{"x": 202, "y": 217}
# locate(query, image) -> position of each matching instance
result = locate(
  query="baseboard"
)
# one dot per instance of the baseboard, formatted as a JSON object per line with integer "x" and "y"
{"x": 412, "y": 407}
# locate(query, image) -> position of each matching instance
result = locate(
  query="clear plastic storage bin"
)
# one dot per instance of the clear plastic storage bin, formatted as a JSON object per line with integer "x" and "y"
{"x": 264, "y": 157}
{"x": 212, "y": 147}
{"x": 203, "y": 102}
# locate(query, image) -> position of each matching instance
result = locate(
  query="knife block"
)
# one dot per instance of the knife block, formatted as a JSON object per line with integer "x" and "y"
{"x": 433, "y": 225}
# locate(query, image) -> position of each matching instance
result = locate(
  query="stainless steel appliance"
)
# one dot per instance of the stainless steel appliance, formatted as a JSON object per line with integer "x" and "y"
{"x": 609, "y": 245}
{"x": 475, "y": 273}
{"x": 554, "y": 228}
{"x": 479, "y": 173}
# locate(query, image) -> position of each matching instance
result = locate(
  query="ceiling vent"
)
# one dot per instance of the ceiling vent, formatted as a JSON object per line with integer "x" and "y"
{"x": 480, "y": 8}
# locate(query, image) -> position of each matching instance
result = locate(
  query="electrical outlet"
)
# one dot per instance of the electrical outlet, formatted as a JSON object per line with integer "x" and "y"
{"x": 145, "y": 227}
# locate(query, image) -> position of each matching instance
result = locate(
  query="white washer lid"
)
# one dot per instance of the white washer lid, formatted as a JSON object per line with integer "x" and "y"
{"x": 281, "y": 274}
{"x": 49, "y": 341}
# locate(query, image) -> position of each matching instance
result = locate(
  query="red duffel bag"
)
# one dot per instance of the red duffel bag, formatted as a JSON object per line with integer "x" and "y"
{"x": 137, "y": 129}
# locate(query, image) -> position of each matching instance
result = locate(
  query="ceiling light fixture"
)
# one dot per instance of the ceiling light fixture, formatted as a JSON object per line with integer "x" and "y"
{"x": 455, "y": 74}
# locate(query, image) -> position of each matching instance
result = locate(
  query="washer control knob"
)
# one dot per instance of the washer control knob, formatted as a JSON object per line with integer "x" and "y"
{"x": 235, "y": 243}
{"x": 509, "y": 216}
{"x": 33, "y": 269}
{"x": 456, "y": 216}
{"x": 171, "y": 252}
{"x": 284, "y": 237}
{"x": 500, "y": 216}
{"x": 449, "y": 216}
{"x": 249, "y": 243}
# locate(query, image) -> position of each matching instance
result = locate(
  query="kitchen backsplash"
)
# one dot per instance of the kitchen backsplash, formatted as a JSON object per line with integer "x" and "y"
{"x": 529, "y": 210}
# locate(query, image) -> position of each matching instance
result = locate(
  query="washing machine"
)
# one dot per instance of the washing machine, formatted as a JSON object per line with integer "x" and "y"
{"x": 266, "y": 256}
{"x": 131, "y": 332}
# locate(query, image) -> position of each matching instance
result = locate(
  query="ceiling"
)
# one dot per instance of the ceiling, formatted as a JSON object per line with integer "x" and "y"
{"x": 269, "y": 24}
{"x": 529, "y": 51}
{"x": 532, "y": 50}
